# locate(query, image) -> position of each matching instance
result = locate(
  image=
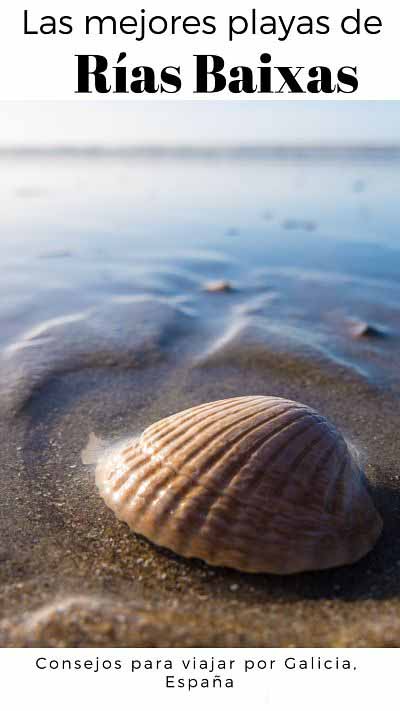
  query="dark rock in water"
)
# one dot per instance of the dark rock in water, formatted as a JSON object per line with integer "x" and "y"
{"x": 363, "y": 329}
{"x": 293, "y": 224}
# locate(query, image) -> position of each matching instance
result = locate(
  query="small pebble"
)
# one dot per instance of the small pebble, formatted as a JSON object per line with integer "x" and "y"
{"x": 218, "y": 286}
{"x": 362, "y": 329}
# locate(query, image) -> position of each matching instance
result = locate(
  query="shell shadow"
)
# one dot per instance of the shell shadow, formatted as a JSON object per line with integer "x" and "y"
{"x": 374, "y": 577}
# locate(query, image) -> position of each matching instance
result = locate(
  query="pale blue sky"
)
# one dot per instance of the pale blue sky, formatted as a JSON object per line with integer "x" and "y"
{"x": 199, "y": 123}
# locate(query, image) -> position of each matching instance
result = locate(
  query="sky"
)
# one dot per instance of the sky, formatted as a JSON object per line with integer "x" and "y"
{"x": 198, "y": 123}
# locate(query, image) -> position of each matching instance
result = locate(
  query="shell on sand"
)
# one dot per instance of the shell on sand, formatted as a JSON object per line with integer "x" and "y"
{"x": 260, "y": 484}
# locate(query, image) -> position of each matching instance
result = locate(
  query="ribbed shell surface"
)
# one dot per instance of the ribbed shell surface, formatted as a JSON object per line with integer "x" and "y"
{"x": 260, "y": 484}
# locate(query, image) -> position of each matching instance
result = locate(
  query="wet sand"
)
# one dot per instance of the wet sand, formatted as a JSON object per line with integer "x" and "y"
{"x": 70, "y": 573}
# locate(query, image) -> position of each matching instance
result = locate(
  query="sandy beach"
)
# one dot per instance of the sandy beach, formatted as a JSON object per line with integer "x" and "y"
{"x": 107, "y": 326}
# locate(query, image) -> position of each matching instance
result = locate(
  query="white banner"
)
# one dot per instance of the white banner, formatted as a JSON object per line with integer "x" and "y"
{"x": 236, "y": 50}
{"x": 257, "y": 679}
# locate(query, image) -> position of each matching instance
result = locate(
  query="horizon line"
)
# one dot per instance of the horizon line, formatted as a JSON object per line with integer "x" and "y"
{"x": 201, "y": 149}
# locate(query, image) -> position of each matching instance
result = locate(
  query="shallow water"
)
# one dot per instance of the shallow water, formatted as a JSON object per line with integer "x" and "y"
{"x": 106, "y": 326}
{"x": 78, "y": 232}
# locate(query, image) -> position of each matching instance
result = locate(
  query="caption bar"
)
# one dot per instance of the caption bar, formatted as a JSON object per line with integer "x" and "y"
{"x": 234, "y": 51}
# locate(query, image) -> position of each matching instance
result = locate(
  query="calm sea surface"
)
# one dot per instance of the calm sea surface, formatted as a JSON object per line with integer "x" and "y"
{"x": 309, "y": 241}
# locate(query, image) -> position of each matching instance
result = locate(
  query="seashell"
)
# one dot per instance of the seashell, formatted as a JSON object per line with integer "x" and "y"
{"x": 260, "y": 484}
